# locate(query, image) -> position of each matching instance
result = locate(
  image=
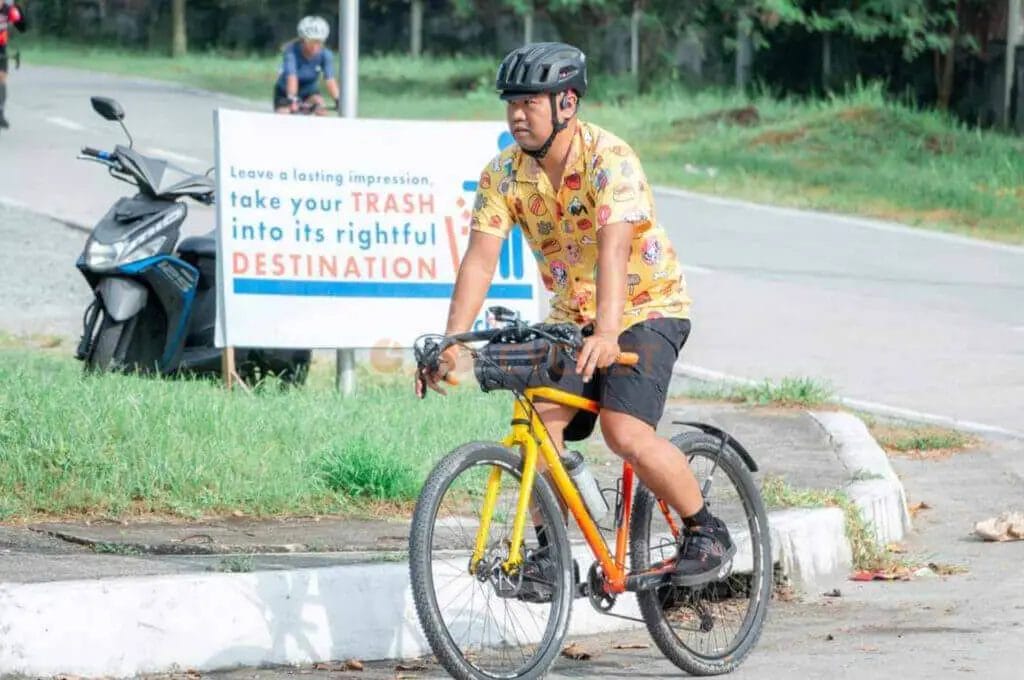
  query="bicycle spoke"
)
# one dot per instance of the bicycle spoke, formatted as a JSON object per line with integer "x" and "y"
{"x": 500, "y": 635}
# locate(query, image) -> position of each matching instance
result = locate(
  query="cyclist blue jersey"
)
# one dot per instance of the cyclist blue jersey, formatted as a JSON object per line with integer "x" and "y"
{"x": 308, "y": 71}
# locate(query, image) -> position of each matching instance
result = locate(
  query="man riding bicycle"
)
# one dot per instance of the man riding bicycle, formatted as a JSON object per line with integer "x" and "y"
{"x": 10, "y": 14}
{"x": 580, "y": 196}
{"x": 304, "y": 61}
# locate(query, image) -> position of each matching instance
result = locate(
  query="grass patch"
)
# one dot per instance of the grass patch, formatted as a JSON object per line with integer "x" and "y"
{"x": 105, "y": 548}
{"x": 922, "y": 442}
{"x": 30, "y": 341}
{"x": 853, "y": 153}
{"x": 235, "y": 564}
{"x": 919, "y": 440}
{"x": 117, "y": 446}
{"x": 867, "y": 554}
{"x": 802, "y": 392}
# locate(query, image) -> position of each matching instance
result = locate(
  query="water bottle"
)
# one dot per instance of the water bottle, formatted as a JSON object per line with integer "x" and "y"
{"x": 586, "y": 484}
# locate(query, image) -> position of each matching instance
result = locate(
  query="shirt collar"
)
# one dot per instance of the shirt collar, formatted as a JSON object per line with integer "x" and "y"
{"x": 527, "y": 168}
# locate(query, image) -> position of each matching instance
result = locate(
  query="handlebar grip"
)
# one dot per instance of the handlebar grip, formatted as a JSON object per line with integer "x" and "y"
{"x": 628, "y": 359}
{"x": 95, "y": 153}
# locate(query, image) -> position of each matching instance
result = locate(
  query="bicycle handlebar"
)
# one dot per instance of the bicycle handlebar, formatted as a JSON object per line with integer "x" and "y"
{"x": 428, "y": 355}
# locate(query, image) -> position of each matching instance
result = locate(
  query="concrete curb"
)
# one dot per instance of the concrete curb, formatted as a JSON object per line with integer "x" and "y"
{"x": 875, "y": 488}
{"x": 218, "y": 621}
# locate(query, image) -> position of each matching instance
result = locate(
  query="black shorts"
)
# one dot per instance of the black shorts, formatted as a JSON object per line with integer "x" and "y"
{"x": 3, "y": 59}
{"x": 639, "y": 391}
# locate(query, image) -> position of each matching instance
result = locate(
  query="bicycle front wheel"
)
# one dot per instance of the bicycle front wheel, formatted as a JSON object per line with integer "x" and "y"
{"x": 484, "y": 623}
{"x": 707, "y": 629}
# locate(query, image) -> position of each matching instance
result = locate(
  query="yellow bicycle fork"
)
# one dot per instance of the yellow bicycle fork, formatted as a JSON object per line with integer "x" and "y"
{"x": 529, "y": 435}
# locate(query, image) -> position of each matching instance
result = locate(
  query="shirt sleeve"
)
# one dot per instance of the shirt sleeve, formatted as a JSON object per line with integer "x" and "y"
{"x": 289, "y": 67}
{"x": 490, "y": 211}
{"x": 328, "y": 64}
{"x": 622, "y": 191}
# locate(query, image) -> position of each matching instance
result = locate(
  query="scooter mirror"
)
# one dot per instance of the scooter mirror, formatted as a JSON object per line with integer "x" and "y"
{"x": 108, "y": 108}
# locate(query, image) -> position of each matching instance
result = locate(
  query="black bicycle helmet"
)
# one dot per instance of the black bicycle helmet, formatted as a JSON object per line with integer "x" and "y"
{"x": 542, "y": 68}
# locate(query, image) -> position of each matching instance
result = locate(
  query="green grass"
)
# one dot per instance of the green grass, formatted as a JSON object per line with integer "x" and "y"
{"x": 125, "y": 446}
{"x": 867, "y": 554}
{"x": 906, "y": 438}
{"x": 854, "y": 153}
{"x": 803, "y": 392}
{"x": 235, "y": 564}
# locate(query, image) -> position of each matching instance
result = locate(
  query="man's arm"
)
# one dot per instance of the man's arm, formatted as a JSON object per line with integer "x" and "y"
{"x": 17, "y": 17}
{"x": 602, "y": 348}
{"x": 471, "y": 285}
{"x": 473, "y": 280}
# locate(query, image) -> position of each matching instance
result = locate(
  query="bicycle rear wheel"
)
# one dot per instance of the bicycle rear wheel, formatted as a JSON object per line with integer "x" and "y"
{"x": 487, "y": 624}
{"x": 707, "y": 629}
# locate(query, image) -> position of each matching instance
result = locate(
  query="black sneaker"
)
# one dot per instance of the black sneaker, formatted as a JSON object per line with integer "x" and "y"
{"x": 703, "y": 552}
{"x": 3, "y": 122}
{"x": 539, "y": 574}
{"x": 538, "y": 579}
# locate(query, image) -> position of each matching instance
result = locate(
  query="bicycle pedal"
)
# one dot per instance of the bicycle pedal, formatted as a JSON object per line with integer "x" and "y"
{"x": 649, "y": 580}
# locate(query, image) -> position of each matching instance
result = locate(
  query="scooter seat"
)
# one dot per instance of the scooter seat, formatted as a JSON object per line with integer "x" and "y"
{"x": 200, "y": 246}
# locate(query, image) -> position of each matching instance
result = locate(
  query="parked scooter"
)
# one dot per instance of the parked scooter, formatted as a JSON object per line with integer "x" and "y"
{"x": 155, "y": 305}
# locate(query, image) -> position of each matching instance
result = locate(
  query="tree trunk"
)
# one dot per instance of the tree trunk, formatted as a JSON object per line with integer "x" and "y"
{"x": 416, "y": 28}
{"x": 179, "y": 37}
{"x": 948, "y": 61}
{"x": 744, "y": 55}
{"x": 634, "y": 39}
{"x": 1012, "y": 35}
{"x": 528, "y": 27}
{"x": 826, "y": 61}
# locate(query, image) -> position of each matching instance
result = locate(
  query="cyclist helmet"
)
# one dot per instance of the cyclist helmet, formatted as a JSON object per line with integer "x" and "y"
{"x": 547, "y": 67}
{"x": 314, "y": 28}
{"x": 543, "y": 68}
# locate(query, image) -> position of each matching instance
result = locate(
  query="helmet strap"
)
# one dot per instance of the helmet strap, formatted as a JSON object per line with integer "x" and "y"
{"x": 556, "y": 127}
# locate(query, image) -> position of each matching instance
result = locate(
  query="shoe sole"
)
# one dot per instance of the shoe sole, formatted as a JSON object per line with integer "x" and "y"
{"x": 689, "y": 580}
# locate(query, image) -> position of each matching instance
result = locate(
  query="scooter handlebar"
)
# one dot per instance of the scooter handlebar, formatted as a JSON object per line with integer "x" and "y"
{"x": 96, "y": 153}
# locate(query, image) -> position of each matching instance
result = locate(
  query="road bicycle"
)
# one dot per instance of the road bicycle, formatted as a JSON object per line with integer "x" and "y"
{"x": 493, "y": 568}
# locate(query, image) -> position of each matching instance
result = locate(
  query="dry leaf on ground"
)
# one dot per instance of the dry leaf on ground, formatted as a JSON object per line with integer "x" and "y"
{"x": 881, "y": 575}
{"x": 353, "y": 664}
{"x": 410, "y": 667}
{"x": 576, "y": 653}
{"x": 896, "y": 548}
{"x": 918, "y": 507}
{"x": 947, "y": 569}
{"x": 1009, "y": 526}
{"x": 785, "y": 593}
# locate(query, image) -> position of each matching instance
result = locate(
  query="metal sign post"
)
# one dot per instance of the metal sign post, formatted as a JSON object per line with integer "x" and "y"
{"x": 348, "y": 15}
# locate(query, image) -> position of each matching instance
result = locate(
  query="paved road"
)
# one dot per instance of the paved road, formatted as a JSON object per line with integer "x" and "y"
{"x": 901, "y": 317}
{"x": 969, "y": 626}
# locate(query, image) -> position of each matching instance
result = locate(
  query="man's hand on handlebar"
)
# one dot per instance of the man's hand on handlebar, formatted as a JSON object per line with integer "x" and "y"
{"x": 599, "y": 350}
{"x": 427, "y": 378}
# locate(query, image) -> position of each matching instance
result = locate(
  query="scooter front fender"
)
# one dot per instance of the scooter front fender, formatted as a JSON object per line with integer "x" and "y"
{"x": 122, "y": 298}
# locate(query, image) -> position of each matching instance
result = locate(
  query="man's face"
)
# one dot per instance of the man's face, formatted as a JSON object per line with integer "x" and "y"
{"x": 311, "y": 47}
{"x": 529, "y": 120}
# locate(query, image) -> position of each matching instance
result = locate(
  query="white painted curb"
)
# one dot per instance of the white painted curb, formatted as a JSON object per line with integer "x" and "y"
{"x": 121, "y": 627}
{"x": 875, "y": 488}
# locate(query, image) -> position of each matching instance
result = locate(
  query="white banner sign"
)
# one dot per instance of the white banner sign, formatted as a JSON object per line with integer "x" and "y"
{"x": 348, "y": 233}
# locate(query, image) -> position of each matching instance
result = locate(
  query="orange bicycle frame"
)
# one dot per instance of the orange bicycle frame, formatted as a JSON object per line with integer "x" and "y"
{"x": 530, "y": 436}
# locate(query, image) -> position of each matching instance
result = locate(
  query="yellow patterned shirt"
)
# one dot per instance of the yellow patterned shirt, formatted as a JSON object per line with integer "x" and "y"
{"x": 603, "y": 183}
